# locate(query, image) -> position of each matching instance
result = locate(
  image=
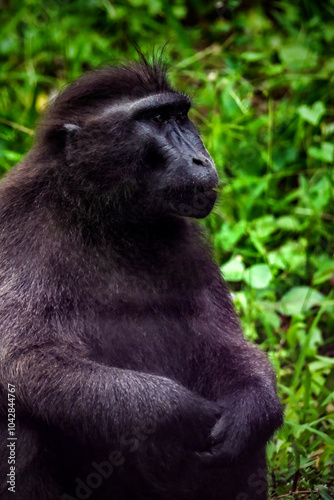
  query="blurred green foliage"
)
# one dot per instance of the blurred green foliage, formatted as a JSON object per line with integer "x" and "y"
{"x": 261, "y": 74}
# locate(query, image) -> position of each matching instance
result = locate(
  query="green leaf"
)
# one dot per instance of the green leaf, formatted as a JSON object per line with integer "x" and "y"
{"x": 312, "y": 114}
{"x": 275, "y": 260}
{"x": 299, "y": 299}
{"x": 264, "y": 226}
{"x": 324, "y": 493}
{"x": 298, "y": 57}
{"x": 324, "y": 363}
{"x": 314, "y": 341}
{"x": 230, "y": 235}
{"x": 288, "y": 223}
{"x": 324, "y": 272}
{"x": 258, "y": 276}
{"x": 270, "y": 318}
{"x": 291, "y": 255}
{"x": 13, "y": 156}
{"x": 253, "y": 56}
{"x": 324, "y": 153}
{"x": 296, "y": 333}
{"x": 233, "y": 270}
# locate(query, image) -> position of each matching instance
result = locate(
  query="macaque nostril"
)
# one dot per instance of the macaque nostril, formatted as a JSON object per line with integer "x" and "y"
{"x": 197, "y": 161}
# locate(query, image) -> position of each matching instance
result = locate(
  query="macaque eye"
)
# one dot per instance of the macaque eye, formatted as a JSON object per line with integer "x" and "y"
{"x": 158, "y": 119}
{"x": 182, "y": 116}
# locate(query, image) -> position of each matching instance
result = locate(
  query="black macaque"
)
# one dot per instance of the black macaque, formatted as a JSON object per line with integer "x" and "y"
{"x": 124, "y": 372}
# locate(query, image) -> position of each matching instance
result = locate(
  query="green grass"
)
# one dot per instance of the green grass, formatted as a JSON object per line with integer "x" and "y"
{"x": 262, "y": 81}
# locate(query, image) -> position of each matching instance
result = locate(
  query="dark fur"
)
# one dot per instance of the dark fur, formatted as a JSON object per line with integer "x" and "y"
{"x": 116, "y": 327}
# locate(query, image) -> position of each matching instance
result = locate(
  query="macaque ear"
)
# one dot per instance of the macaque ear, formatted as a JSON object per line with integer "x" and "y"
{"x": 71, "y": 128}
{"x": 70, "y": 136}
{"x": 71, "y": 132}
